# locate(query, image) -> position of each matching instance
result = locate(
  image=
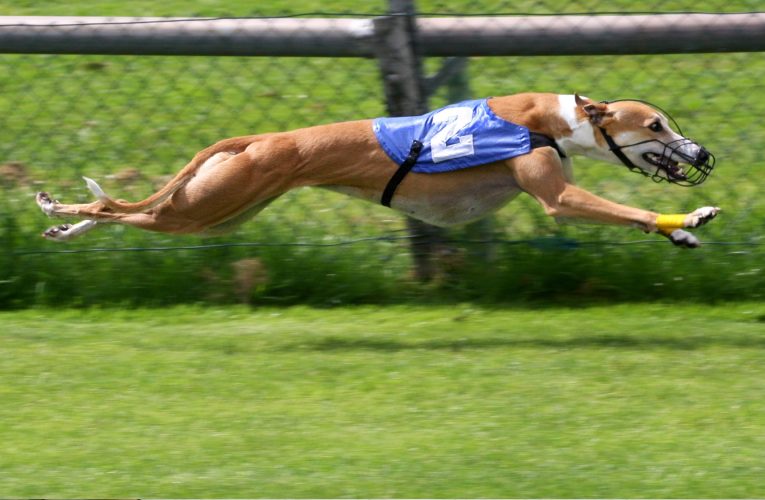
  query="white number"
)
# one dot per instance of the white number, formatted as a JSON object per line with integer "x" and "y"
{"x": 456, "y": 119}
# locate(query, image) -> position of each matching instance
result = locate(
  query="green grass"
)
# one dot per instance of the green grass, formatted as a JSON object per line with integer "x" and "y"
{"x": 374, "y": 7}
{"x": 459, "y": 401}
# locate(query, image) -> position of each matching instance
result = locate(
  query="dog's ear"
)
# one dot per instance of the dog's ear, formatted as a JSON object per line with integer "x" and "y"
{"x": 597, "y": 112}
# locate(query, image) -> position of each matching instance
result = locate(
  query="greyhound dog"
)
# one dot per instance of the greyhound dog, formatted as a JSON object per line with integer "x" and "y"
{"x": 451, "y": 166}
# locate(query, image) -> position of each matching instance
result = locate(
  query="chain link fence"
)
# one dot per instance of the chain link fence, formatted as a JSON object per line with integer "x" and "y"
{"x": 132, "y": 121}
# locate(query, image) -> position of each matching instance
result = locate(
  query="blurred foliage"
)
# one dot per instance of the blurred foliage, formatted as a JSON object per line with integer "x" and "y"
{"x": 244, "y": 8}
{"x": 132, "y": 121}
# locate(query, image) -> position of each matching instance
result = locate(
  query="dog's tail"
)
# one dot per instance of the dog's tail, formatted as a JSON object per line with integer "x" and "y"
{"x": 234, "y": 145}
{"x": 140, "y": 206}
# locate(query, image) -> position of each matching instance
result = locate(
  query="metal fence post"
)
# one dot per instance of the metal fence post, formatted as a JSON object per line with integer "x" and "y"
{"x": 401, "y": 67}
{"x": 458, "y": 89}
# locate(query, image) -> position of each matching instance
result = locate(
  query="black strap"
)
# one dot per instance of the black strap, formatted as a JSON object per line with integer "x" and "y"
{"x": 541, "y": 141}
{"x": 403, "y": 169}
{"x": 617, "y": 150}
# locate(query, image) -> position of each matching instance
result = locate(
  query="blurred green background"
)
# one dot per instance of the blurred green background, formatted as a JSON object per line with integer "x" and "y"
{"x": 130, "y": 122}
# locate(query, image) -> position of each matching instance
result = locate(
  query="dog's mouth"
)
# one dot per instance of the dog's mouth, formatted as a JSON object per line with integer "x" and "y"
{"x": 670, "y": 167}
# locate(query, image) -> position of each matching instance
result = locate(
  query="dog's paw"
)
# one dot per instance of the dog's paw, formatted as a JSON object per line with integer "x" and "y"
{"x": 46, "y": 203}
{"x": 701, "y": 216}
{"x": 57, "y": 233}
{"x": 683, "y": 239}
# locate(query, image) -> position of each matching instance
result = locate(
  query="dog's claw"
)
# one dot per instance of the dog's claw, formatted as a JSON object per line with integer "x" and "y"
{"x": 56, "y": 233}
{"x": 684, "y": 239}
{"x": 46, "y": 203}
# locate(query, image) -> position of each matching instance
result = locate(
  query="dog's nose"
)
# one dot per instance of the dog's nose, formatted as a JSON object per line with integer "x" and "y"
{"x": 701, "y": 157}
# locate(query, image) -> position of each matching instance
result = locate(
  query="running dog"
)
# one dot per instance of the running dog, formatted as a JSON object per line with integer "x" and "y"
{"x": 451, "y": 166}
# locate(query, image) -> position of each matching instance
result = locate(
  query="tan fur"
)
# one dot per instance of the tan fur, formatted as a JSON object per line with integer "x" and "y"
{"x": 534, "y": 111}
{"x": 235, "y": 178}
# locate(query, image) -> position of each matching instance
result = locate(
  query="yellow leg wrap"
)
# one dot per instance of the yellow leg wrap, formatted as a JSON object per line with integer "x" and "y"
{"x": 666, "y": 223}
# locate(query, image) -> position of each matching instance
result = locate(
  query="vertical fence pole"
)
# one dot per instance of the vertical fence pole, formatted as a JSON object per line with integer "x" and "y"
{"x": 398, "y": 60}
{"x": 401, "y": 68}
{"x": 458, "y": 89}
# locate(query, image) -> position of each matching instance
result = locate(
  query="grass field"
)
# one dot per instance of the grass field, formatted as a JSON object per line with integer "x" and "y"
{"x": 457, "y": 401}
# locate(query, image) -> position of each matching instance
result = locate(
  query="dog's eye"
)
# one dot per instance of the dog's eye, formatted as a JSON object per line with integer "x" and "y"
{"x": 656, "y": 127}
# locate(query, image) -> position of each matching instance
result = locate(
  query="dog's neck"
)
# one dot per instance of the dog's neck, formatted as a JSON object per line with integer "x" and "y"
{"x": 556, "y": 116}
{"x": 582, "y": 138}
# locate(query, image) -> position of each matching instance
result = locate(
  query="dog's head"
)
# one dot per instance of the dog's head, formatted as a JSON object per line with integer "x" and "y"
{"x": 634, "y": 133}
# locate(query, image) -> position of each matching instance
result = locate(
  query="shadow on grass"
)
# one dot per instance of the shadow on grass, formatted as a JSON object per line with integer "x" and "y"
{"x": 629, "y": 342}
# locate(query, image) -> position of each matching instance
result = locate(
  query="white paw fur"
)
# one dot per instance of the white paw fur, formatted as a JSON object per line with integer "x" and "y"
{"x": 701, "y": 216}
{"x": 684, "y": 239}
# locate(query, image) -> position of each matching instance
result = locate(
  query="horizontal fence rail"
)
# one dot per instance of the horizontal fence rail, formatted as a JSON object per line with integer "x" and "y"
{"x": 348, "y": 37}
{"x": 175, "y": 36}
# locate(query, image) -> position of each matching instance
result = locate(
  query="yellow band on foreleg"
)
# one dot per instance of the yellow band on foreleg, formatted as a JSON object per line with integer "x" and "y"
{"x": 666, "y": 223}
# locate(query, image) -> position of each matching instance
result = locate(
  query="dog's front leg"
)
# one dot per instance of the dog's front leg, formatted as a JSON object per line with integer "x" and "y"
{"x": 540, "y": 174}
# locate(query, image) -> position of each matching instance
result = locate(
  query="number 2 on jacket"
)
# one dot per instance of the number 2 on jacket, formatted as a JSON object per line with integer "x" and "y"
{"x": 446, "y": 144}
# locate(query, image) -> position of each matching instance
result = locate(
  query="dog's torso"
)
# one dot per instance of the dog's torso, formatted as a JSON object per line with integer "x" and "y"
{"x": 471, "y": 179}
{"x": 361, "y": 168}
{"x": 347, "y": 157}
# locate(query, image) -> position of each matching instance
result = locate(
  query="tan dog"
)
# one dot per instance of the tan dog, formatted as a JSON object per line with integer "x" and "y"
{"x": 234, "y": 179}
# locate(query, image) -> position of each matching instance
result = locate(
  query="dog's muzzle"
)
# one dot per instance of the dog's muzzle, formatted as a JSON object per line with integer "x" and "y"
{"x": 674, "y": 164}
{"x": 679, "y": 167}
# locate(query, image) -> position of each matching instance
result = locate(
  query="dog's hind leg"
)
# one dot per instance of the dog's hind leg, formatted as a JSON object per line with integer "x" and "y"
{"x": 221, "y": 194}
{"x": 66, "y": 232}
{"x": 98, "y": 212}
{"x": 52, "y": 208}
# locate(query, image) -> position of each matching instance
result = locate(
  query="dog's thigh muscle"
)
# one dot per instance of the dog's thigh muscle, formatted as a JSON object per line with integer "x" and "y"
{"x": 233, "y": 186}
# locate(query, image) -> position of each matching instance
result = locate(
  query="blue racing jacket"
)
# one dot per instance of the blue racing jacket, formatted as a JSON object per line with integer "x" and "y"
{"x": 462, "y": 135}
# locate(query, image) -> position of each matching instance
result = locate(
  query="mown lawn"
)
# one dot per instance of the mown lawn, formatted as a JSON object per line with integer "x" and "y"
{"x": 426, "y": 401}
